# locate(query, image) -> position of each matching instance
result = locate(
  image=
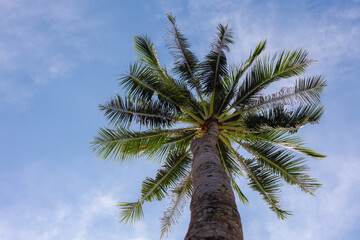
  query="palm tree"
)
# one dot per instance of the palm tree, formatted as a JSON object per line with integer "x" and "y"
{"x": 199, "y": 119}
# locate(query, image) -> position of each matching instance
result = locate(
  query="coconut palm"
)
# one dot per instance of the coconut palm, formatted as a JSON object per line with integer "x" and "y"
{"x": 203, "y": 121}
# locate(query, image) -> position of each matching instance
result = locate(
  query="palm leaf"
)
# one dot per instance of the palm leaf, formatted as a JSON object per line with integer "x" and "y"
{"x": 261, "y": 180}
{"x": 141, "y": 83}
{"x": 284, "y": 164}
{"x": 231, "y": 168}
{"x": 175, "y": 167}
{"x": 131, "y": 212}
{"x": 150, "y": 114}
{"x": 235, "y": 77}
{"x": 305, "y": 91}
{"x": 147, "y": 54}
{"x": 181, "y": 194}
{"x": 268, "y": 70}
{"x": 186, "y": 63}
{"x": 294, "y": 143}
{"x": 177, "y": 142}
{"x": 122, "y": 144}
{"x": 279, "y": 118}
{"x": 268, "y": 185}
{"x": 214, "y": 68}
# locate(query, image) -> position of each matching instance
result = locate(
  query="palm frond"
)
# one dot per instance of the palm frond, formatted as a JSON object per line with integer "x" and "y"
{"x": 180, "y": 196}
{"x": 214, "y": 68}
{"x": 131, "y": 212}
{"x": 176, "y": 166}
{"x": 253, "y": 56}
{"x": 280, "y": 118}
{"x": 231, "y": 168}
{"x": 305, "y": 91}
{"x": 229, "y": 160}
{"x": 141, "y": 83}
{"x": 261, "y": 180}
{"x": 186, "y": 63}
{"x": 124, "y": 112}
{"x": 284, "y": 164}
{"x": 181, "y": 140}
{"x": 147, "y": 54}
{"x": 235, "y": 77}
{"x": 122, "y": 144}
{"x": 282, "y": 139}
{"x": 268, "y": 70}
{"x": 268, "y": 185}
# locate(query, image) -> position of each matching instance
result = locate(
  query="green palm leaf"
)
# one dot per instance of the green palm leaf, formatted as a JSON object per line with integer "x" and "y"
{"x": 147, "y": 54}
{"x": 231, "y": 168}
{"x": 284, "y": 164}
{"x": 123, "y": 144}
{"x": 214, "y": 68}
{"x": 294, "y": 143}
{"x": 186, "y": 62}
{"x": 174, "y": 143}
{"x": 280, "y": 118}
{"x": 268, "y": 70}
{"x": 305, "y": 91}
{"x": 170, "y": 88}
{"x": 261, "y": 180}
{"x": 268, "y": 185}
{"x": 141, "y": 83}
{"x": 131, "y": 212}
{"x": 235, "y": 77}
{"x": 175, "y": 167}
{"x": 150, "y": 114}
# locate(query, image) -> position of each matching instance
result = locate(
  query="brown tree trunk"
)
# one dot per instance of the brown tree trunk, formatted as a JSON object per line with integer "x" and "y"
{"x": 214, "y": 213}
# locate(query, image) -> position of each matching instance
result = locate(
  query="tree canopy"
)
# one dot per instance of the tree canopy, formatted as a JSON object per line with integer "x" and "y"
{"x": 176, "y": 106}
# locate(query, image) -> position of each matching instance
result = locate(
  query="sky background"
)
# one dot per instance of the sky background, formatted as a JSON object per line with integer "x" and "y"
{"x": 59, "y": 59}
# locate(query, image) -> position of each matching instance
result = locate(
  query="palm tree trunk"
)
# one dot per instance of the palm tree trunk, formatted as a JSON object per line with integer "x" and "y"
{"x": 214, "y": 213}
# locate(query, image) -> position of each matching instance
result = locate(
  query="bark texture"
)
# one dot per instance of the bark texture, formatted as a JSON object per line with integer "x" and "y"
{"x": 214, "y": 214}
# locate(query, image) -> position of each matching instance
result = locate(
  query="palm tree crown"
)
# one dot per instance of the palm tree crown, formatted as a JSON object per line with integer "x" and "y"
{"x": 175, "y": 109}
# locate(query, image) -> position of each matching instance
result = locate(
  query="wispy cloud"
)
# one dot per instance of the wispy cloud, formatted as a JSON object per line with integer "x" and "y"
{"x": 330, "y": 33}
{"x": 43, "y": 41}
{"x": 75, "y": 220}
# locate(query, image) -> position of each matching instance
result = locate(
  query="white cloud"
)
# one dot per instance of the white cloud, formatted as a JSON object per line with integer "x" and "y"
{"x": 75, "y": 221}
{"x": 42, "y": 41}
{"x": 329, "y": 33}
{"x": 13, "y": 92}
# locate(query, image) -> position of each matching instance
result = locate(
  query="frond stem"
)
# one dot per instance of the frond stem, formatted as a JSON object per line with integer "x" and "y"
{"x": 150, "y": 115}
{"x": 215, "y": 77}
{"x": 230, "y": 128}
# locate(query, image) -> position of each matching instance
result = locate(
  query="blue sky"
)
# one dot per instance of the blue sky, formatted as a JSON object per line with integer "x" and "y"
{"x": 58, "y": 59}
